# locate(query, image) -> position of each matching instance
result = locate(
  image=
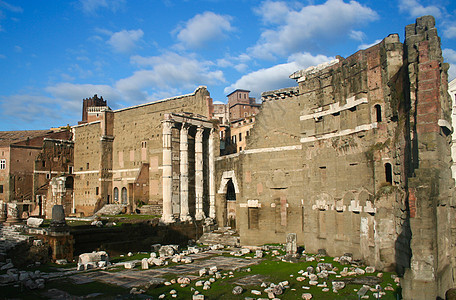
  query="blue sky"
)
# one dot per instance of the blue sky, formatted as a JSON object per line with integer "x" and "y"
{"x": 55, "y": 53}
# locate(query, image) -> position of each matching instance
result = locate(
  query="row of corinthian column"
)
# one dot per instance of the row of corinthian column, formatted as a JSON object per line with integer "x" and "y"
{"x": 168, "y": 214}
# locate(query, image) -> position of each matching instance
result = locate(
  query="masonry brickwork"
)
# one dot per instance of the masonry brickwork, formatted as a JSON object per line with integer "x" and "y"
{"x": 119, "y": 159}
{"x": 366, "y": 171}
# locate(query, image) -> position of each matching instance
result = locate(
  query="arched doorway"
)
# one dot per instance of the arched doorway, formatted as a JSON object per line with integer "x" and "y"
{"x": 116, "y": 195}
{"x": 124, "y": 195}
{"x": 230, "y": 203}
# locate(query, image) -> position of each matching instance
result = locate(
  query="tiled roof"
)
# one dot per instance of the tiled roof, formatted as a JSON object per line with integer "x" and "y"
{"x": 10, "y": 137}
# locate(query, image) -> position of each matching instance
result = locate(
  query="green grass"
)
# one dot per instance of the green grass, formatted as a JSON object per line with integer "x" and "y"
{"x": 275, "y": 271}
{"x": 270, "y": 270}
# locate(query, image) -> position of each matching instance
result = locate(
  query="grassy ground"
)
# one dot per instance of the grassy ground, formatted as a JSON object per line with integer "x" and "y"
{"x": 275, "y": 271}
{"x": 269, "y": 270}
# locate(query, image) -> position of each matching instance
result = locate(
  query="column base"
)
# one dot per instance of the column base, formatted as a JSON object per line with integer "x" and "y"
{"x": 186, "y": 218}
{"x": 167, "y": 219}
{"x": 200, "y": 216}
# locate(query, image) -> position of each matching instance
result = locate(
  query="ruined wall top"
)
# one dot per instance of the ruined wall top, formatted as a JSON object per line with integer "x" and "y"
{"x": 280, "y": 94}
{"x": 301, "y": 74}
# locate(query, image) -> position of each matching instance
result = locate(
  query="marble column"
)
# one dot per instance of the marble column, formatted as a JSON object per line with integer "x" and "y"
{"x": 199, "y": 180}
{"x": 211, "y": 175}
{"x": 183, "y": 164}
{"x": 167, "y": 216}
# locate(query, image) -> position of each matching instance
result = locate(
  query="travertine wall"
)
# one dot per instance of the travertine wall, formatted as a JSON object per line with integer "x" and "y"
{"x": 356, "y": 159}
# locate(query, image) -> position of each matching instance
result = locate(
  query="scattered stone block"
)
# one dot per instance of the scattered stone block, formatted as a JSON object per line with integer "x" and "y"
{"x": 129, "y": 265}
{"x": 34, "y": 222}
{"x": 61, "y": 261}
{"x": 166, "y": 251}
{"x": 306, "y": 296}
{"x": 237, "y": 290}
{"x": 90, "y": 260}
{"x": 144, "y": 264}
{"x": 256, "y": 292}
{"x": 338, "y": 285}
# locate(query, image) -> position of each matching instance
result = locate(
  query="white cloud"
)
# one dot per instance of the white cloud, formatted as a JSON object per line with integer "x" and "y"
{"x": 415, "y": 9}
{"x": 125, "y": 41}
{"x": 276, "y": 77}
{"x": 73, "y": 94}
{"x": 91, "y": 6}
{"x": 10, "y": 7}
{"x": 273, "y": 12}
{"x": 241, "y": 67}
{"x": 450, "y": 57}
{"x": 31, "y": 109}
{"x": 450, "y": 32}
{"x": 17, "y": 49}
{"x": 365, "y": 46}
{"x": 303, "y": 29}
{"x": 169, "y": 70}
{"x": 203, "y": 29}
{"x": 357, "y": 35}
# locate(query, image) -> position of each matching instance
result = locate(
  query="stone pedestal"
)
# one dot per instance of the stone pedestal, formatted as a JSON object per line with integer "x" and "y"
{"x": 12, "y": 214}
{"x": 58, "y": 223}
{"x": 3, "y": 212}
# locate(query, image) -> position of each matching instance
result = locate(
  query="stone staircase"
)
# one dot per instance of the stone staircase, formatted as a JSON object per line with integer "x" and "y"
{"x": 223, "y": 235}
{"x": 112, "y": 210}
{"x": 150, "y": 209}
{"x": 11, "y": 236}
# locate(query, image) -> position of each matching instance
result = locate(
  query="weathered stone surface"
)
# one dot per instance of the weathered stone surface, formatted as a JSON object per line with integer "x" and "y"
{"x": 34, "y": 222}
{"x": 91, "y": 260}
{"x": 237, "y": 290}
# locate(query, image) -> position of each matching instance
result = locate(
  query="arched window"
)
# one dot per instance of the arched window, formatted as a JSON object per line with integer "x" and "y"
{"x": 230, "y": 192}
{"x": 116, "y": 195}
{"x": 378, "y": 113}
{"x": 124, "y": 195}
{"x": 389, "y": 173}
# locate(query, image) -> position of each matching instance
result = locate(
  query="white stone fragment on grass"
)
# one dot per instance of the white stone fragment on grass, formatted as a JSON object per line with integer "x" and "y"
{"x": 129, "y": 264}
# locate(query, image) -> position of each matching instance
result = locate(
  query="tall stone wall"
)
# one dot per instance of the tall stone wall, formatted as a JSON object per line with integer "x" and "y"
{"x": 431, "y": 199}
{"x": 357, "y": 159}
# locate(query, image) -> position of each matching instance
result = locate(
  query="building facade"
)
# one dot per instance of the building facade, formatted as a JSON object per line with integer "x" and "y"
{"x": 125, "y": 157}
{"x": 356, "y": 159}
{"x": 27, "y": 166}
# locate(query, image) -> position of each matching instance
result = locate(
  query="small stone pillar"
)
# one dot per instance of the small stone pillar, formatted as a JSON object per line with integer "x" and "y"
{"x": 292, "y": 248}
{"x": 59, "y": 238}
{"x": 3, "y": 211}
{"x": 184, "y": 209}
{"x": 167, "y": 216}
{"x": 199, "y": 179}
{"x": 58, "y": 223}
{"x": 12, "y": 214}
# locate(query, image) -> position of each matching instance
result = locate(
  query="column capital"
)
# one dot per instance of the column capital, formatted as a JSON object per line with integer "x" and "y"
{"x": 167, "y": 126}
{"x": 199, "y": 132}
